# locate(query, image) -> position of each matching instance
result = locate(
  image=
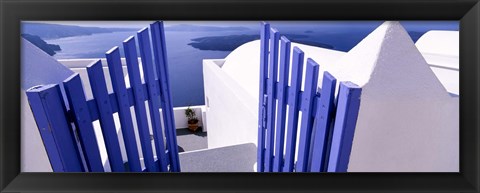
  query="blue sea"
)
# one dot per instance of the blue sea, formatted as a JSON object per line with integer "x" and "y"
{"x": 185, "y": 62}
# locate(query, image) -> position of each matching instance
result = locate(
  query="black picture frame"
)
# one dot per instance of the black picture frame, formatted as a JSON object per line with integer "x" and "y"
{"x": 14, "y": 11}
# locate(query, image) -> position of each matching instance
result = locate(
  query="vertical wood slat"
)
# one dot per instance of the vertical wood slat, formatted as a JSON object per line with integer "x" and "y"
{"x": 323, "y": 117}
{"x": 271, "y": 104}
{"x": 172, "y": 153}
{"x": 308, "y": 97}
{"x": 129, "y": 46}
{"x": 100, "y": 93}
{"x": 83, "y": 123}
{"x": 126, "y": 124}
{"x": 282, "y": 105}
{"x": 160, "y": 54}
{"x": 293, "y": 102}
{"x": 344, "y": 129}
{"x": 264, "y": 39}
{"x": 154, "y": 94}
{"x": 57, "y": 135}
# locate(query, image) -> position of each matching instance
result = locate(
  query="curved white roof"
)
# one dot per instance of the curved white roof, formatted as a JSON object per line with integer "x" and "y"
{"x": 439, "y": 42}
{"x": 441, "y": 50}
{"x": 243, "y": 64}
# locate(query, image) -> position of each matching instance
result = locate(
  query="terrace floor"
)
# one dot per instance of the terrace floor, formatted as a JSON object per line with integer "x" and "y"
{"x": 196, "y": 157}
{"x": 190, "y": 141}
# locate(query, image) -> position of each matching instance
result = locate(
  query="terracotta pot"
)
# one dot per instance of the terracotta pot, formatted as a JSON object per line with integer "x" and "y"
{"x": 193, "y": 127}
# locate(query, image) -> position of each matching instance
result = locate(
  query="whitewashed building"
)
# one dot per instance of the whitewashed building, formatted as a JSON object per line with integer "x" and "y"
{"x": 409, "y": 109}
{"x": 408, "y": 119}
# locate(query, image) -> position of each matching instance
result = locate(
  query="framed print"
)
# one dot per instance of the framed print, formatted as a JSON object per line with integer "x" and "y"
{"x": 283, "y": 96}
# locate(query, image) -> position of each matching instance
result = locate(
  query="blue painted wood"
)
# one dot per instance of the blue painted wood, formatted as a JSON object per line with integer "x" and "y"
{"x": 104, "y": 105}
{"x": 324, "y": 116}
{"x": 344, "y": 129}
{"x": 92, "y": 104}
{"x": 159, "y": 50}
{"x": 264, "y": 40}
{"x": 131, "y": 58}
{"x": 271, "y": 104}
{"x": 57, "y": 135}
{"x": 293, "y": 102}
{"x": 311, "y": 79}
{"x": 154, "y": 94}
{"x": 282, "y": 104}
{"x": 83, "y": 122}
{"x": 100, "y": 93}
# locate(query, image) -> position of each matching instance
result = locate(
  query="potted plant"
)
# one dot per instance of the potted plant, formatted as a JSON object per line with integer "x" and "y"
{"x": 192, "y": 119}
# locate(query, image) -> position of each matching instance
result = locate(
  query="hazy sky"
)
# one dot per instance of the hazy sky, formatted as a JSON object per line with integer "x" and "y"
{"x": 141, "y": 24}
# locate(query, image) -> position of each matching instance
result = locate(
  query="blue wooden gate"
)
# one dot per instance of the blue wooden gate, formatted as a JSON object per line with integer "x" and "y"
{"x": 327, "y": 122}
{"x": 65, "y": 121}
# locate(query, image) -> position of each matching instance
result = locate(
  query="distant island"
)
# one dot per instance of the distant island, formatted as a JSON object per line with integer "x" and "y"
{"x": 231, "y": 42}
{"x": 37, "y": 41}
{"x": 53, "y": 31}
{"x": 187, "y": 27}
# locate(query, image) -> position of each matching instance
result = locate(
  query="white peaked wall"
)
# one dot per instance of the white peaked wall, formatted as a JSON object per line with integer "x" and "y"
{"x": 37, "y": 68}
{"x": 407, "y": 121}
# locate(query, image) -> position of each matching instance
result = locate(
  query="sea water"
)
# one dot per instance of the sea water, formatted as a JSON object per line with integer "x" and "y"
{"x": 185, "y": 62}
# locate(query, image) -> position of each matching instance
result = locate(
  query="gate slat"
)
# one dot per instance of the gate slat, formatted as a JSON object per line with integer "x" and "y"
{"x": 293, "y": 102}
{"x": 281, "y": 111}
{"x": 324, "y": 116}
{"x": 154, "y": 94}
{"x": 118, "y": 82}
{"x": 160, "y": 54}
{"x": 271, "y": 104}
{"x": 309, "y": 93}
{"x": 264, "y": 38}
{"x": 100, "y": 93}
{"x": 129, "y": 47}
{"x": 83, "y": 123}
{"x": 93, "y": 108}
{"x": 58, "y": 138}
{"x": 345, "y": 121}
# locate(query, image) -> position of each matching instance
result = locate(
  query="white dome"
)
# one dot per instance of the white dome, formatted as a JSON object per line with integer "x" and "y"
{"x": 243, "y": 63}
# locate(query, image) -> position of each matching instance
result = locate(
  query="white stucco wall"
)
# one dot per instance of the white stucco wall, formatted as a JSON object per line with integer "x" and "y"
{"x": 231, "y": 111}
